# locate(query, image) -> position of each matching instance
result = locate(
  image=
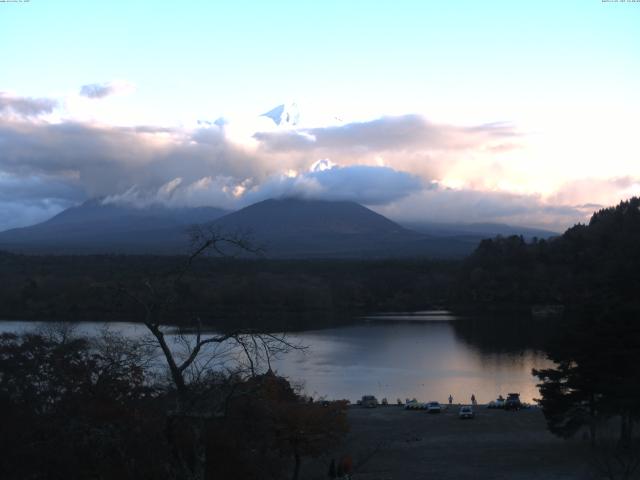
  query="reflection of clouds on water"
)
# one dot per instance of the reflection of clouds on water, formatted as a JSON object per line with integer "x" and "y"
{"x": 425, "y": 360}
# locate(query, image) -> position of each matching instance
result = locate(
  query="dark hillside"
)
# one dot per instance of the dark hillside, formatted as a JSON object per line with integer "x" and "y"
{"x": 596, "y": 263}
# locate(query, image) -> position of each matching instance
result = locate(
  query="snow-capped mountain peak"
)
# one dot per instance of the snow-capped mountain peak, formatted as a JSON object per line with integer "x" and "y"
{"x": 284, "y": 115}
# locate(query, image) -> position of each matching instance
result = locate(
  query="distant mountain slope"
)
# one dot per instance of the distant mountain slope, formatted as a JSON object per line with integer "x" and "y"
{"x": 293, "y": 227}
{"x": 94, "y": 227}
{"x": 478, "y": 230}
{"x": 285, "y": 228}
{"x": 294, "y": 216}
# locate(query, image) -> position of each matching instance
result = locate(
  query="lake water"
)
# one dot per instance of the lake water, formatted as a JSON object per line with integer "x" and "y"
{"x": 423, "y": 355}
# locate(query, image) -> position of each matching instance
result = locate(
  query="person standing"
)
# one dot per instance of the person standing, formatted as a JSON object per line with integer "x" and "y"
{"x": 450, "y": 399}
{"x": 473, "y": 399}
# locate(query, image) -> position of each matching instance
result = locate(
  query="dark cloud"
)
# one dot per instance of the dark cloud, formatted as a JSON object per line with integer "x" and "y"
{"x": 35, "y": 188}
{"x": 27, "y": 107}
{"x": 14, "y": 214}
{"x": 27, "y": 200}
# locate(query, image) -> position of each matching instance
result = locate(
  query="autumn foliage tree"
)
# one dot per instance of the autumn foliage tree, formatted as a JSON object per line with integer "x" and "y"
{"x": 71, "y": 408}
{"x": 269, "y": 430}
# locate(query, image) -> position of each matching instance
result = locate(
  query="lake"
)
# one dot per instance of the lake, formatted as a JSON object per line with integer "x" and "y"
{"x": 422, "y": 355}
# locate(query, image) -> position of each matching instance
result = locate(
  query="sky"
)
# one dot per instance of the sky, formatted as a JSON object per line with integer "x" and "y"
{"x": 469, "y": 111}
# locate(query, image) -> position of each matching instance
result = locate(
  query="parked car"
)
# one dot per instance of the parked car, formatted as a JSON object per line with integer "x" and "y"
{"x": 415, "y": 405}
{"x": 369, "y": 401}
{"x": 498, "y": 403}
{"x": 512, "y": 402}
{"x": 466, "y": 411}
{"x": 433, "y": 407}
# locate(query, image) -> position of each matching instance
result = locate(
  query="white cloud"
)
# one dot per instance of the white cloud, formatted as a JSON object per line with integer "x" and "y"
{"x": 369, "y": 185}
{"x": 441, "y": 204}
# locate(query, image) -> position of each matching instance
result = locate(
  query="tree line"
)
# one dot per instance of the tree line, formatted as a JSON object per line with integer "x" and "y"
{"x": 595, "y": 263}
{"x": 276, "y": 294}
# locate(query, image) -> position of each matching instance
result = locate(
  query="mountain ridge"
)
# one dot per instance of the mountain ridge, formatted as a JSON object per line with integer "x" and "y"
{"x": 295, "y": 227}
{"x": 288, "y": 227}
{"x": 97, "y": 227}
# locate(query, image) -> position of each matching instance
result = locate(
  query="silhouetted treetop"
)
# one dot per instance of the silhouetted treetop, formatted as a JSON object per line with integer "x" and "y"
{"x": 597, "y": 262}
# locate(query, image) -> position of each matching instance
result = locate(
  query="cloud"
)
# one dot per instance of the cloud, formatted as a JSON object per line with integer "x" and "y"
{"x": 408, "y": 142}
{"x": 17, "y": 188}
{"x": 396, "y": 164}
{"x": 22, "y": 214}
{"x": 384, "y": 134}
{"x": 364, "y": 184}
{"x": 600, "y": 192}
{"x": 27, "y": 200}
{"x": 24, "y": 106}
{"x": 102, "y": 90}
{"x": 111, "y": 160}
{"x": 446, "y": 205}
{"x": 207, "y": 191}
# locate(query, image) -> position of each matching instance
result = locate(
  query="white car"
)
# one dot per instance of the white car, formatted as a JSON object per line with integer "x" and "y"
{"x": 433, "y": 407}
{"x": 466, "y": 411}
{"x": 415, "y": 405}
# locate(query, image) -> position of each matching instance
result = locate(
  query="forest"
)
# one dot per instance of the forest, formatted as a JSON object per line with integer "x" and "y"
{"x": 593, "y": 264}
{"x": 272, "y": 294}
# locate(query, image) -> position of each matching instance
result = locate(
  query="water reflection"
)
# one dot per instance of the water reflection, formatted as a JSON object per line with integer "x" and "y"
{"x": 427, "y": 361}
{"x": 401, "y": 357}
{"x": 505, "y": 334}
{"x": 420, "y": 316}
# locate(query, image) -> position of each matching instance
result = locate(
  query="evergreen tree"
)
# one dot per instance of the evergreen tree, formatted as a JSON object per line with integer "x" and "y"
{"x": 596, "y": 377}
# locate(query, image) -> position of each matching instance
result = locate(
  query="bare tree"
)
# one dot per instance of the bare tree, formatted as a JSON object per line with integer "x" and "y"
{"x": 195, "y": 352}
